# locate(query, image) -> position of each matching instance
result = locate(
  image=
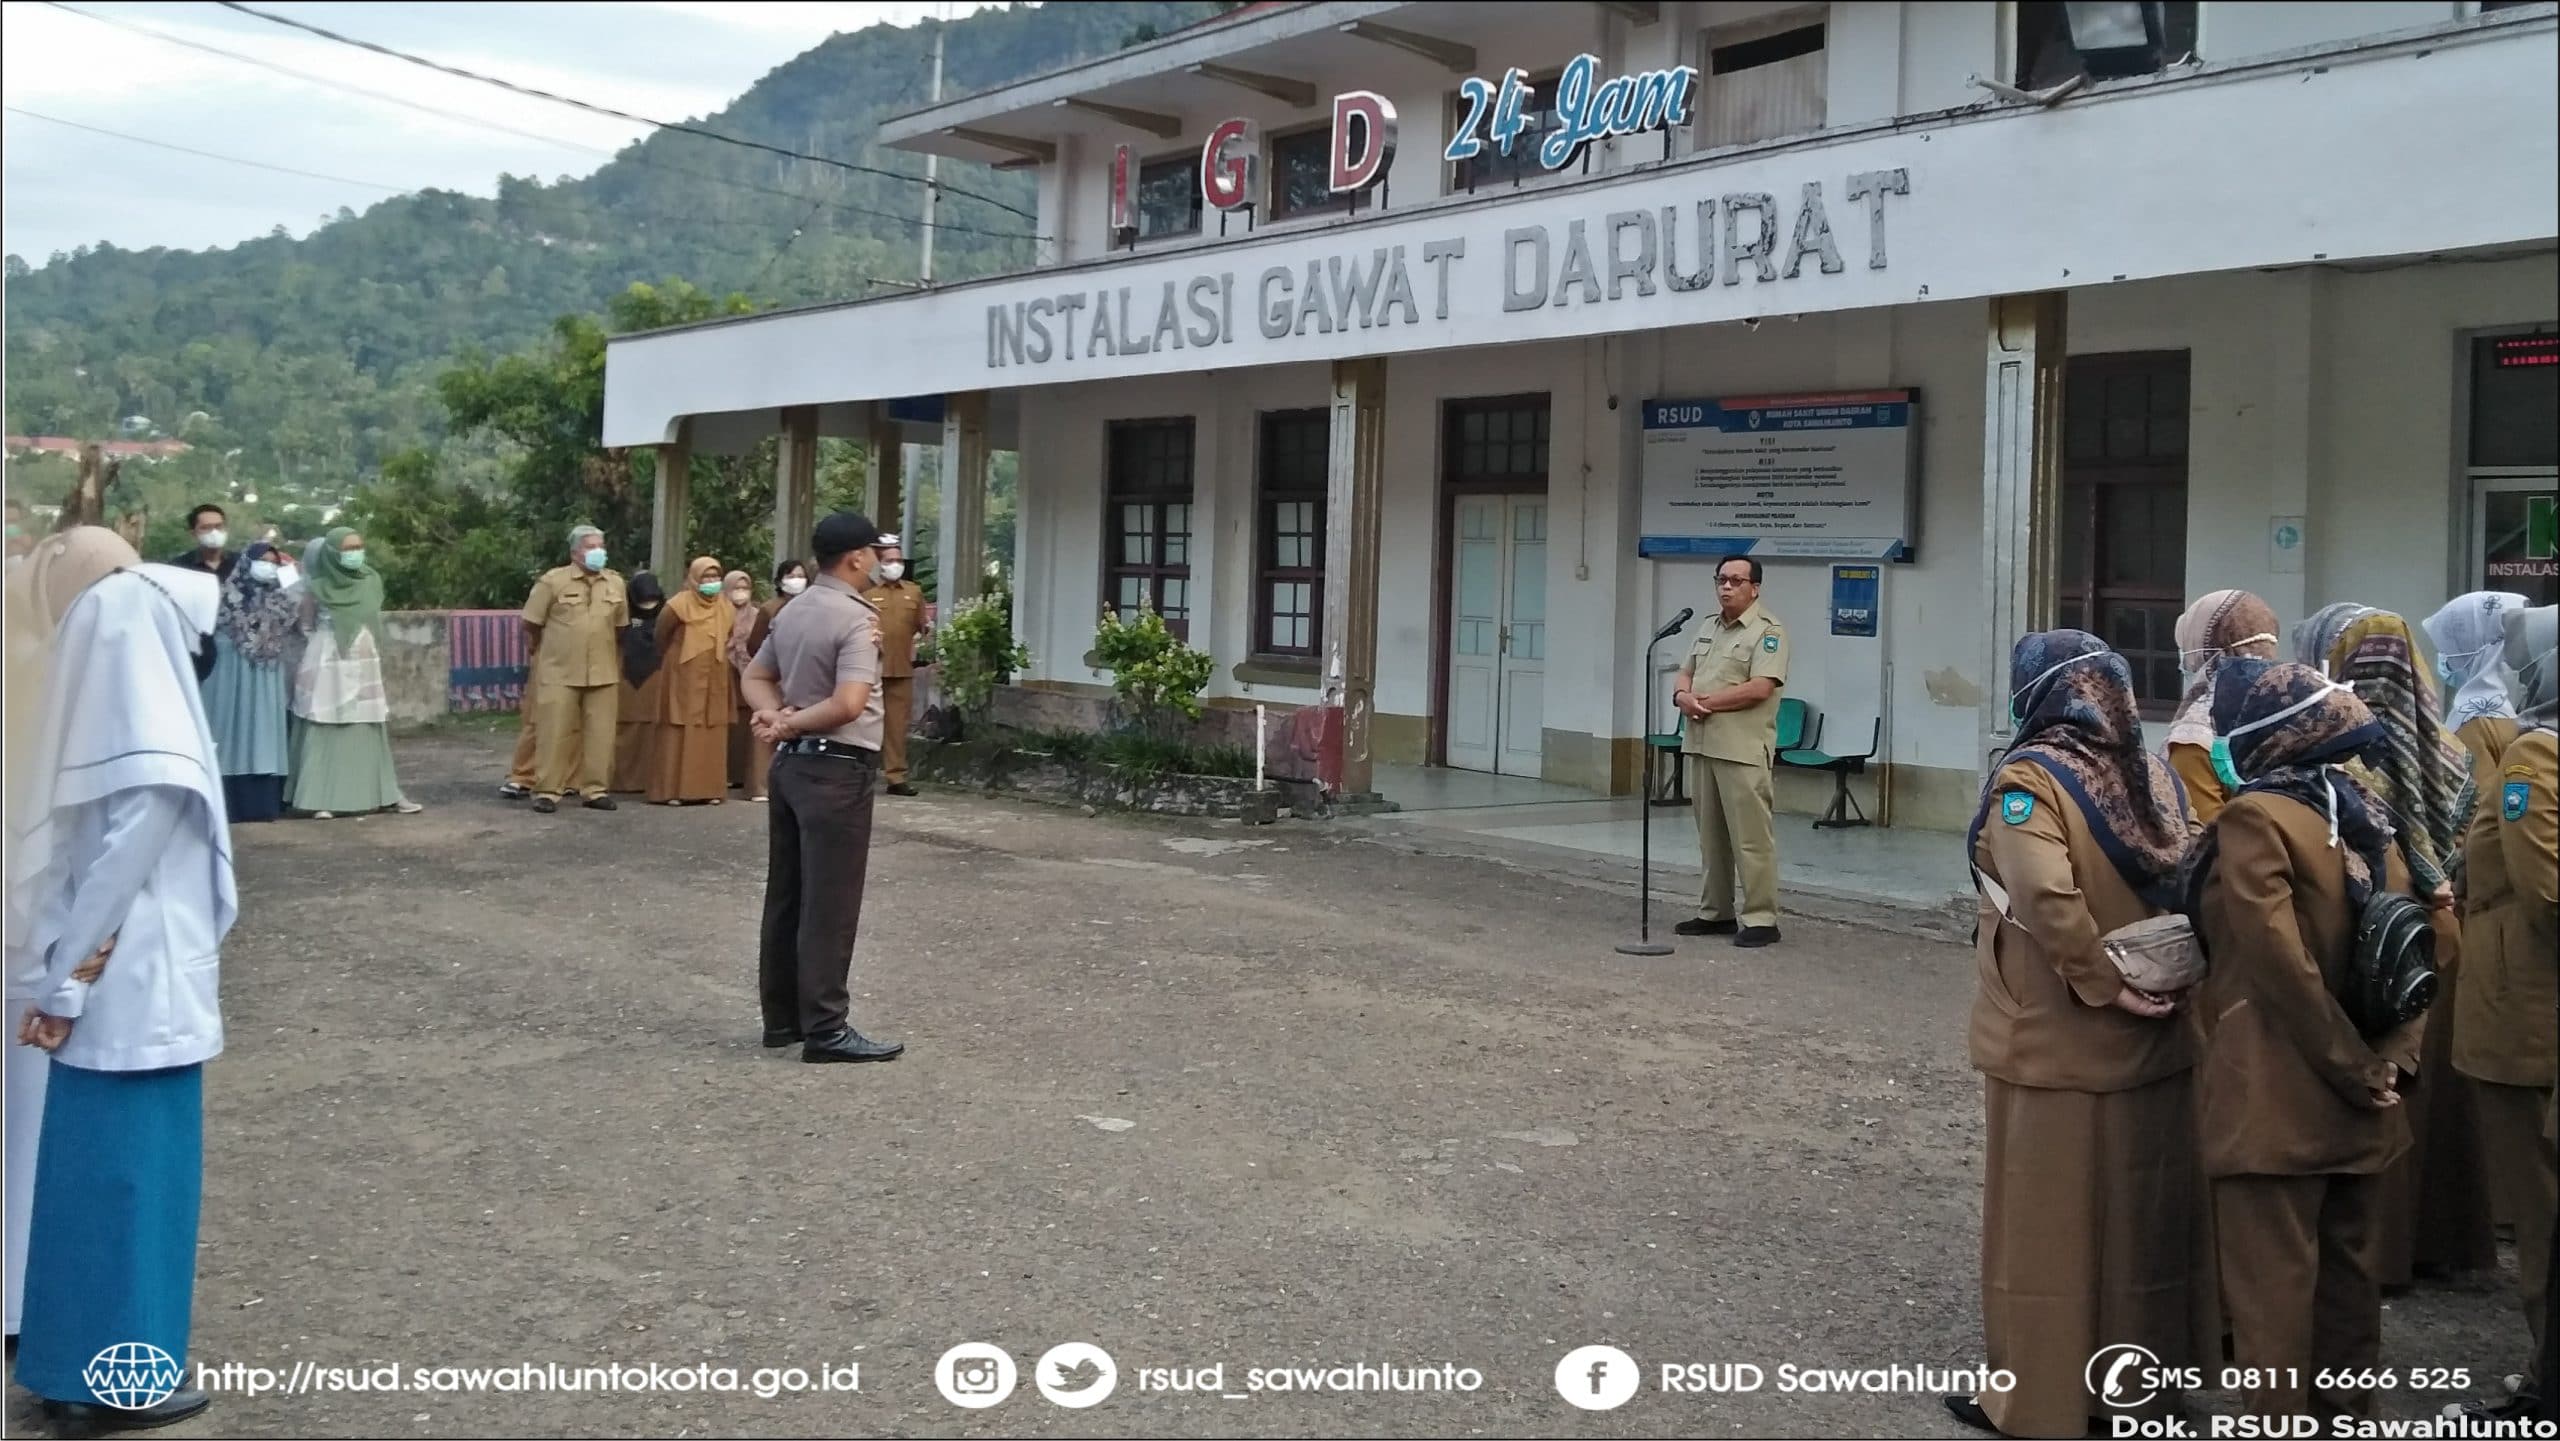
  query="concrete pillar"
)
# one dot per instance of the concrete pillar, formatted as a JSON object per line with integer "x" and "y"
{"x": 667, "y": 506}
{"x": 2021, "y": 490}
{"x": 884, "y": 498}
{"x": 1352, "y": 506}
{"x": 795, "y": 482}
{"x": 960, "y": 549}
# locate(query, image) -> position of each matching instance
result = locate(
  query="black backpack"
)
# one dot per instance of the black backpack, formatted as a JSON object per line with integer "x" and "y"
{"x": 2392, "y": 978}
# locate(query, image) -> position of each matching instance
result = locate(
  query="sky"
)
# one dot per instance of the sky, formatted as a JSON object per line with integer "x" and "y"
{"x": 62, "y": 187}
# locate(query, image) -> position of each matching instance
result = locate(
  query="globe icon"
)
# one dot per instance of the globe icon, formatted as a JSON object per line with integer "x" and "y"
{"x": 132, "y": 1376}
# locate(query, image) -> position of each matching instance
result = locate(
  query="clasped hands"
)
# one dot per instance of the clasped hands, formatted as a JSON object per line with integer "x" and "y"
{"x": 773, "y": 727}
{"x": 47, "y": 1033}
{"x": 1692, "y": 705}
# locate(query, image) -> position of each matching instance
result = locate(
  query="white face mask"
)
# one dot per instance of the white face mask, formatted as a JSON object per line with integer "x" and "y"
{"x": 893, "y": 570}
{"x": 2192, "y": 661}
{"x": 2295, "y": 709}
{"x": 793, "y": 585}
{"x": 263, "y": 570}
{"x": 214, "y": 539}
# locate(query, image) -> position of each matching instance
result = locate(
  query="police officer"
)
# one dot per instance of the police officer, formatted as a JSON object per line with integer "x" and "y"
{"x": 815, "y": 689}
{"x": 1728, "y": 692}
{"x": 573, "y": 630}
{"x": 900, "y": 602}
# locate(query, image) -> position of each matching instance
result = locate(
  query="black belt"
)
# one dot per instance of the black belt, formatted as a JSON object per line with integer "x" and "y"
{"x": 820, "y": 746}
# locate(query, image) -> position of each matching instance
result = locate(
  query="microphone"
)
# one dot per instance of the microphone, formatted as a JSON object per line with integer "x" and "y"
{"x": 1672, "y": 628}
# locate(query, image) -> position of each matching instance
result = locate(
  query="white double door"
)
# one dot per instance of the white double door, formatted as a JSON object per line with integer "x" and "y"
{"x": 1498, "y": 634}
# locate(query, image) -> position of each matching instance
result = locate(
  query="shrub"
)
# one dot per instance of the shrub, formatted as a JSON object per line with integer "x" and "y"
{"x": 1156, "y": 676}
{"x": 977, "y": 652}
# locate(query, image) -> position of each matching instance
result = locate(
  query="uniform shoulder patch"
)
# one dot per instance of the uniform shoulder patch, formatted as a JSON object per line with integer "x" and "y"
{"x": 1769, "y": 643}
{"x": 2016, "y": 807}
{"x": 2512, "y": 800}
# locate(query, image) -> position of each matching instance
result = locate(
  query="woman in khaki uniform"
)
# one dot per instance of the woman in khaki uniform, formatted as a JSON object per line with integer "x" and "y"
{"x": 2300, "y": 1112}
{"x": 2225, "y": 625}
{"x": 2094, "y": 1221}
{"x": 697, "y": 699}
{"x": 638, "y": 718}
{"x": 2435, "y": 1215}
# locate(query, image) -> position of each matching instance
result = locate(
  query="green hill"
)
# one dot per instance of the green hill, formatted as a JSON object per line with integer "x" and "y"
{"x": 301, "y": 365}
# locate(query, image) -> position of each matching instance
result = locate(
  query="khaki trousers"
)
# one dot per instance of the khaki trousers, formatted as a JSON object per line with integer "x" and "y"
{"x": 1732, "y": 801}
{"x": 520, "y": 771}
{"x": 574, "y": 749}
{"x": 2298, "y": 1280}
{"x": 897, "y": 712}
{"x": 2519, "y": 1159}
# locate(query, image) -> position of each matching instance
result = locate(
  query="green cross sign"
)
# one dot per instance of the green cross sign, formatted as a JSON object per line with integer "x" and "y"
{"x": 2541, "y": 527}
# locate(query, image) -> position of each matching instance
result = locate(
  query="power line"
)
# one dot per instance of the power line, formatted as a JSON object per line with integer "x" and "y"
{"x": 637, "y": 157}
{"x": 209, "y": 155}
{"x": 625, "y": 115}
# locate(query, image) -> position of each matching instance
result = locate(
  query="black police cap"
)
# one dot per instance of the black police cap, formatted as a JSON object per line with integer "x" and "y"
{"x": 843, "y": 533}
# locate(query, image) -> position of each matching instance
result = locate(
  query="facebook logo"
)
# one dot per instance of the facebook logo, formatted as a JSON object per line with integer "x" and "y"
{"x": 1597, "y": 1378}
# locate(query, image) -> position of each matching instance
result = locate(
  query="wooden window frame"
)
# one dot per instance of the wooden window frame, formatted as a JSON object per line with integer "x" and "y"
{"x": 2096, "y": 476}
{"x": 1276, "y": 193}
{"x": 1137, "y": 207}
{"x": 1156, "y": 570}
{"x": 1712, "y": 38}
{"x": 1270, "y": 493}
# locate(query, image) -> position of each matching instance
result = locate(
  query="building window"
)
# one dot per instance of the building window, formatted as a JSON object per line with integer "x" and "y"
{"x": 1288, "y": 582}
{"x": 1762, "y": 82}
{"x": 1169, "y": 197}
{"x": 1497, "y": 440}
{"x": 1302, "y": 175}
{"x": 2123, "y": 561}
{"x": 1147, "y": 527}
{"x": 2513, "y": 450}
{"x": 1489, "y": 165}
{"x": 2104, "y": 41}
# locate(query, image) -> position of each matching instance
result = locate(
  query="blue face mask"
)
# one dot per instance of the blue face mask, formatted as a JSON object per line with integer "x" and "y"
{"x": 2444, "y": 672}
{"x": 2223, "y": 769}
{"x": 352, "y": 559}
{"x": 594, "y": 558}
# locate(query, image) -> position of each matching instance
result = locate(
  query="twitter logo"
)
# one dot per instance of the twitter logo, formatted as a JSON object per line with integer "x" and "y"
{"x": 1076, "y": 1374}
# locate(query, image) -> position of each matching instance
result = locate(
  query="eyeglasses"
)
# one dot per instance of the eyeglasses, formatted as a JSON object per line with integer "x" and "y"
{"x": 1725, "y": 580}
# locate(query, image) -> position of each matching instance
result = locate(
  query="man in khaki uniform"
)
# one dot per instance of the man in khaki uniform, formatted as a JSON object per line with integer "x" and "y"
{"x": 1728, "y": 692}
{"x": 573, "y": 629}
{"x": 900, "y": 602}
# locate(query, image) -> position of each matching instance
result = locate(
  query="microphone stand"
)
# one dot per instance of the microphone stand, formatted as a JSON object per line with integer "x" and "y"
{"x": 1644, "y": 944}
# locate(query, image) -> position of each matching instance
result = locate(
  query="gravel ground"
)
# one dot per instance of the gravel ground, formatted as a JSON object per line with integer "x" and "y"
{"x": 1199, "y": 1095}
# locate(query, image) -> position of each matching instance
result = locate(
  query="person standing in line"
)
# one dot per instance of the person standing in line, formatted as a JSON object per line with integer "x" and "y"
{"x": 2300, "y": 1111}
{"x": 573, "y": 629}
{"x": 2435, "y": 1213}
{"x": 815, "y": 685}
{"x": 635, "y": 724}
{"x": 1728, "y": 691}
{"x": 244, "y": 698}
{"x": 900, "y": 602}
{"x": 211, "y": 552}
{"x": 697, "y": 702}
{"x": 2224, "y": 625}
{"x": 120, "y": 895}
{"x": 341, "y": 739}
{"x": 2088, "y": 1084}
{"x": 739, "y": 648}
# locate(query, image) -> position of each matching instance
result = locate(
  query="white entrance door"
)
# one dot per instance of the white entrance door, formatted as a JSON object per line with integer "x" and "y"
{"x": 1498, "y": 636}
{"x": 2515, "y": 534}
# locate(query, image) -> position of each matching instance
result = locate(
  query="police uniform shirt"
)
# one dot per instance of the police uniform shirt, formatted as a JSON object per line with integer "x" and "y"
{"x": 827, "y": 636}
{"x": 1725, "y": 654}
{"x": 582, "y": 614}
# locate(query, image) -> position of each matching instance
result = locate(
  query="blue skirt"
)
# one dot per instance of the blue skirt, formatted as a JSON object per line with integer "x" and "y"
{"x": 252, "y": 798}
{"x": 111, "y": 1243}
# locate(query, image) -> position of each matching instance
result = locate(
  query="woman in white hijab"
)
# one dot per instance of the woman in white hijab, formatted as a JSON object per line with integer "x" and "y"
{"x": 124, "y": 794}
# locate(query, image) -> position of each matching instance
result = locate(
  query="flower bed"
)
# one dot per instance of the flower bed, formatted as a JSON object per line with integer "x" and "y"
{"x": 1015, "y": 765}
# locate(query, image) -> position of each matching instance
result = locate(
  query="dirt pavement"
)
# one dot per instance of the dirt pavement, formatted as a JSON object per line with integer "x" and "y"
{"x": 493, "y": 1095}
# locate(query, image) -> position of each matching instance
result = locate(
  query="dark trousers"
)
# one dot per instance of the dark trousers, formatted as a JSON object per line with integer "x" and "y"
{"x": 819, "y": 850}
{"x": 2299, "y": 1282}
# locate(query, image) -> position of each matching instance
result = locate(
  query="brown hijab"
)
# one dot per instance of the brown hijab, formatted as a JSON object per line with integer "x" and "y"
{"x": 703, "y": 620}
{"x": 64, "y": 565}
{"x": 2219, "y": 626}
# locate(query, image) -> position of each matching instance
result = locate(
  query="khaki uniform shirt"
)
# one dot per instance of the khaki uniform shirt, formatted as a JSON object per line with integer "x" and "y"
{"x": 1725, "y": 654}
{"x": 582, "y": 615}
{"x": 827, "y": 636}
{"x": 2507, "y": 1029}
{"x": 901, "y": 607}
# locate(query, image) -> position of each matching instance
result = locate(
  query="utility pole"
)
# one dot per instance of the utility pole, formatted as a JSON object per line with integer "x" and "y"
{"x": 924, "y": 270}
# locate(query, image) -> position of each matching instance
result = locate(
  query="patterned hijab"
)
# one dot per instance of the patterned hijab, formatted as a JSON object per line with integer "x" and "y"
{"x": 2532, "y": 638}
{"x": 257, "y": 615}
{"x": 2223, "y": 624}
{"x": 742, "y": 618}
{"x": 2291, "y": 732}
{"x": 2076, "y": 718}
{"x": 2317, "y": 638}
{"x": 2470, "y": 640}
{"x": 2421, "y": 774}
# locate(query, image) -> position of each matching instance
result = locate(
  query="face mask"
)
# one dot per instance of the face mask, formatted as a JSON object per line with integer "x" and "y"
{"x": 2018, "y": 716}
{"x": 263, "y": 570}
{"x": 594, "y": 557}
{"x": 794, "y": 586}
{"x": 213, "y": 539}
{"x": 894, "y": 570}
{"x": 2193, "y": 662}
{"x": 2223, "y": 768}
{"x": 877, "y": 574}
{"x": 15, "y": 531}
{"x": 708, "y": 588}
{"x": 352, "y": 559}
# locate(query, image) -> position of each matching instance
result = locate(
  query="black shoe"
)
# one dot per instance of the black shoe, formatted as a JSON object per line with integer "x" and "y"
{"x": 601, "y": 803}
{"x": 71, "y": 1418}
{"x": 1756, "y": 936}
{"x": 775, "y": 1040}
{"x": 545, "y": 805}
{"x": 849, "y": 1045}
{"x": 903, "y": 789}
{"x": 514, "y": 792}
{"x": 1970, "y": 1412}
{"x": 1701, "y": 926}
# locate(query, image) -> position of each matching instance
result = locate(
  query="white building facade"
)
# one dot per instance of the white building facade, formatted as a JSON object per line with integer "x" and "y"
{"x": 1966, "y": 318}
